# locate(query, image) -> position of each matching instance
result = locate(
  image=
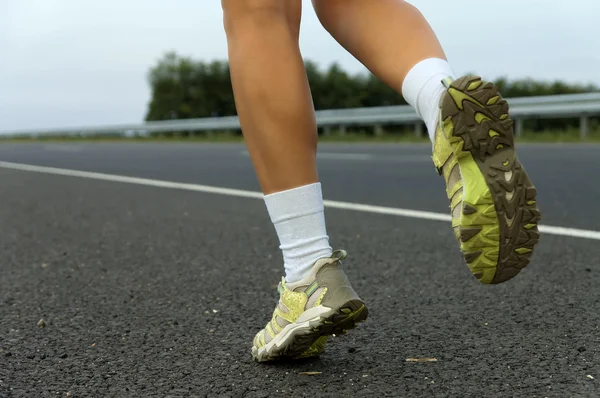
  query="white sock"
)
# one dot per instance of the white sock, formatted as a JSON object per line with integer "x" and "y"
{"x": 422, "y": 89}
{"x": 299, "y": 219}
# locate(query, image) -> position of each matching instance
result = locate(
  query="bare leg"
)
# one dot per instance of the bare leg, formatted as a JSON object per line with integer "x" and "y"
{"x": 388, "y": 36}
{"x": 271, "y": 89}
{"x": 276, "y": 113}
{"x": 395, "y": 42}
{"x": 277, "y": 116}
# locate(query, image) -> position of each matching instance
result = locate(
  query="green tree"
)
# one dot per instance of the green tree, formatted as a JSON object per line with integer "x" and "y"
{"x": 183, "y": 88}
{"x": 377, "y": 93}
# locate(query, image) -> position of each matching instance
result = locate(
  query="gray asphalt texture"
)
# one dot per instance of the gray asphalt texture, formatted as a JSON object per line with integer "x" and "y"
{"x": 152, "y": 292}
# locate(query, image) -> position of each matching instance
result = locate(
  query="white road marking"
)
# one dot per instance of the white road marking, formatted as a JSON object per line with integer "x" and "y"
{"x": 367, "y": 156}
{"x": 343, "y": 156}
{"x": 392, "y": 211}
{"x": 132, "y": 180}
{"x": 335, "y": 155}
{"x": 62, "y": 148}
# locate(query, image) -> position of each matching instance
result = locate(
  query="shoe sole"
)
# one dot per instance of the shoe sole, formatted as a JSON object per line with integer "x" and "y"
{"x": 498, "y": 224}
{"x": 309, "y": 340}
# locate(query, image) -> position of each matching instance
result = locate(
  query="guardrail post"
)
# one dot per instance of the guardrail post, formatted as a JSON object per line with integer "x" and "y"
{"x": 518, "y": 127}
{"x": 342, "y": 130}
{"x": 327, "y": 130}
{"x": 419, "y": 130}
{"x": 584, "y": 126}
{"x": 378, "y": 130}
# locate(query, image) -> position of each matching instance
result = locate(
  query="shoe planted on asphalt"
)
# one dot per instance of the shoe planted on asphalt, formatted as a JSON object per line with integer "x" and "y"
{"x": 492, "y": 200}
{"x": 322, "y": 304}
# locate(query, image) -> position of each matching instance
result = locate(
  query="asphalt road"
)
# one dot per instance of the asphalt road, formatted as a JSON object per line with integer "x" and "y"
{"x": 157, "y": 292}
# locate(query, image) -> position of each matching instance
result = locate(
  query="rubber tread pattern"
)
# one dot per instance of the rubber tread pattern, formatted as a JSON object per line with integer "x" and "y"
{"x": 487, "y": 133}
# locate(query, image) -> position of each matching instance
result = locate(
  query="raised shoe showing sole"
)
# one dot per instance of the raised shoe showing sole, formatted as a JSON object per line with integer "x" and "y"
{"x": 322, "y": 304}
{"x": 492, "y": 200}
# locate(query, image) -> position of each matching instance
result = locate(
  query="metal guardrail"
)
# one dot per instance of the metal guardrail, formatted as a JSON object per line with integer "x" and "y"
{"x": 557, "y": 106}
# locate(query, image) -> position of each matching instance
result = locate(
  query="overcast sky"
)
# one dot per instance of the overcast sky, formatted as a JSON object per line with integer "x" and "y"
{"x": 73, "y": 62}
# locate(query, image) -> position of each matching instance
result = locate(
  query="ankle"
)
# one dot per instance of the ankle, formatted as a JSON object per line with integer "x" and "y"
{"x": 299, "y": 220}
{"x": 422, "y": 88}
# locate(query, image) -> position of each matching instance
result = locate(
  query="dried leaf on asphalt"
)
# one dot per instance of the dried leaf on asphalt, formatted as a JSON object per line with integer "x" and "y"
{"x": 421, "y": 359}
{"x": 310, "y": 373}
{"x": 41, "y": 323}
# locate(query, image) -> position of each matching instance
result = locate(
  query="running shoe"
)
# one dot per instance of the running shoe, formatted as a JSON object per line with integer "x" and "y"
{"x": 322, "y": 304}
{"x": 492, "y": 200}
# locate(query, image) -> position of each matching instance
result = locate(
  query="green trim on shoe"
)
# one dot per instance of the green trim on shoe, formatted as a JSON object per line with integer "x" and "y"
{"x": 322, "y": 304}
{"x": 492, "y": 200}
